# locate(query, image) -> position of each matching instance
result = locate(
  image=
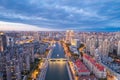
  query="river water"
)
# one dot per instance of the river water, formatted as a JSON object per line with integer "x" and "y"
{"x": 57, "y": 70}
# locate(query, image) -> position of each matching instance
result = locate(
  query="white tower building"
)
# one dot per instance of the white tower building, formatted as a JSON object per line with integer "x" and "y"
{"x": 105, "y": 47}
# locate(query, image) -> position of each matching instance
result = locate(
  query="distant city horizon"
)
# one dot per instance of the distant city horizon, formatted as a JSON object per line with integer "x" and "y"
{"x": 8, "y": 26}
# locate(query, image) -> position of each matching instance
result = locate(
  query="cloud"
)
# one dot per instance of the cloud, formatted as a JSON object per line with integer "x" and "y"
{"x": 116, "y": 24}
{"x": 73, "y": 10}
{"x": 20, "y": 27}
{"x": 63, "y": 14}
{"x": 20, "y": 16}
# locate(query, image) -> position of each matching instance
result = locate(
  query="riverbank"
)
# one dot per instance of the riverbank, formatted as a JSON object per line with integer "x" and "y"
{"x": 43, "y": 71}
{"x": 44, "y": 68}
{"x": 69, "y": 72}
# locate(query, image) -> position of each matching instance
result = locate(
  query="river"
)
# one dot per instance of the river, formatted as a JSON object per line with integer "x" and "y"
{"x": 57, "y": 70}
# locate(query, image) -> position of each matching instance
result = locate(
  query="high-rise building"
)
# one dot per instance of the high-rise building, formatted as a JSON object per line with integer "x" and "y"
{"x": 105, "y": 47}
{"x": 1, "y": 76}
{"x": 87, "y": 45}
{"x": 2, "y": 63}
{"x": 117, "y": 35}
{"x": 28, "y": 62}
{"x": 36, "y": 36}
{"x": 92, "y": 45}
{"x": 92, "y": 50}
{"x": 76, "y": 43}
{"x": 3, "y": 42}
{"x": 69, "y": 35}
{"x": 118, "y": 52}
{"x": 10, "y": 41}
{"x": 18, "y": 59}
{"x": 13, "y": 70}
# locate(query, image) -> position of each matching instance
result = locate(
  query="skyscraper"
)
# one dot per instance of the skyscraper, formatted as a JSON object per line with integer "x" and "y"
{"x": 36, "y": 36}
{"x": 118, "y": 52}
{"x": 3, "y": 42}
{"x": 69, "y": 35}
{"x": 105, "y": 47}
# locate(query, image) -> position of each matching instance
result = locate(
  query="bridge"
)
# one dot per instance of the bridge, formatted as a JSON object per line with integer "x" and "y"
{"x": 57, "y": 59}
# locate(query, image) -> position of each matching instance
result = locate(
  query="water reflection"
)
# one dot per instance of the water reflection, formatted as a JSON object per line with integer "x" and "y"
{"x": 57, "y": 71}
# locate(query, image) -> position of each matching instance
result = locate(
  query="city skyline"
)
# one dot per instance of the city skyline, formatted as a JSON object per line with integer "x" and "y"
{"x": 59, "y": 55}
{"x": 50, "y": 15}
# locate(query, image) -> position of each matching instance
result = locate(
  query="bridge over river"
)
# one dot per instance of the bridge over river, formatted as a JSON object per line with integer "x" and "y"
{"x": 57, "y": 69}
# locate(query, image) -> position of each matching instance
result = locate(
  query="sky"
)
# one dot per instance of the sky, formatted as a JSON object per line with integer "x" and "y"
{"x": 80, "y": 15}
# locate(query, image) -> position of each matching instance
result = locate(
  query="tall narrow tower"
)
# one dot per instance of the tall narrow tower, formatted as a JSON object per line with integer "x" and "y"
{"x": 118, "y": 52}
{"x": 69, "y": 35}
{"x": 3, "y": 42}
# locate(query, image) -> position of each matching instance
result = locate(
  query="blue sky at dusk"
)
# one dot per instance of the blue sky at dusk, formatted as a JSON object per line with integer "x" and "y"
{"x": 83, "y": 15}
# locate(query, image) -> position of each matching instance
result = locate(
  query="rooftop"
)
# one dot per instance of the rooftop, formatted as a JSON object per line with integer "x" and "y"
{"x": 94, "y": 62}
{"x": 81, "y": 67}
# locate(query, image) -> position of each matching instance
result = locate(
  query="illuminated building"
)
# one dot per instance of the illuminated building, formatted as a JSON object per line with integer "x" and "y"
{"x": 75, "y": 42}
{"x": 10, "y": 41}
{"x": 69, "y": 35}
{"x": 3, "y": 42}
